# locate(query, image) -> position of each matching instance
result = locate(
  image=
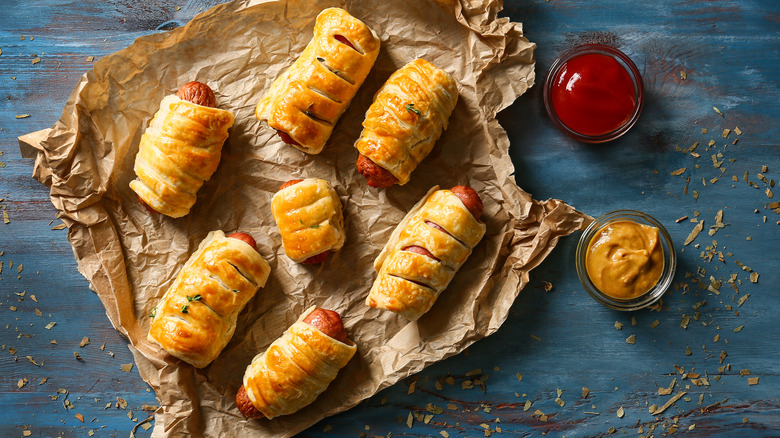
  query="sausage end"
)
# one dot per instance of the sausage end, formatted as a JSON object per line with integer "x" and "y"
{"x": 245, "y": 405}
{"x": 244, "y": 238}
{"x": 377, "y": 176}
{"x": 328, "y": 322}
{"x": 289, "y": 183}
{"x": 470, "y": 199}
{"x": 197, "y": 93}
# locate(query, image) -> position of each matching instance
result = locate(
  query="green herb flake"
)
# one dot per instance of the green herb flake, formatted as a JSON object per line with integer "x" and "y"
{"x": 184, "y": 308}
{"x": 410, "y": 107}
{"x": 153, "y": 313}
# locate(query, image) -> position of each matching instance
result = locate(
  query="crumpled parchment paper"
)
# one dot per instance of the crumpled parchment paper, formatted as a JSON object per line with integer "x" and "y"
{"x": 130, "y": 256}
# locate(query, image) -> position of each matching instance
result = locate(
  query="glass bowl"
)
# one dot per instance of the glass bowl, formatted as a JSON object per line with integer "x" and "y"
{"x": 654, "y": 293}
{"x": 624, "y": 61}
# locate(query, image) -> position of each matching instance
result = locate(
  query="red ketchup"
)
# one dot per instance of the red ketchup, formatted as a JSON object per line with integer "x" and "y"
{"x": 593, "y": 94}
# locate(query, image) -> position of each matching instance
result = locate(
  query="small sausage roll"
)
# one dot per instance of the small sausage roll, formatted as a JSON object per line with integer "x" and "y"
{"x": 180, "y": 150}
{"x": 402, "y": 125}
{"x": 304, "y": 103}
{"x": 426, "y": 250}
{"x": 196, "y": 317}
{"x": 308, "y": 213}
{"x": 297, "y": 367}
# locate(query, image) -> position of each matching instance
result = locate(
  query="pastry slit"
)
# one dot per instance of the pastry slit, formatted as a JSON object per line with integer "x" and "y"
{"x": 343, "y": 76}
{"x": 343, "y": 40}
{"x": 195, "y": 303}
{"x": 314, "y": 117}
{"x": 324, "y": 94}
{"x": 431, "y": 256}
{"x": 440, "y": 228}
{"x": 413, "y": 281}
{"x": 247, "y": 278}
{"x": 223, "y": 284}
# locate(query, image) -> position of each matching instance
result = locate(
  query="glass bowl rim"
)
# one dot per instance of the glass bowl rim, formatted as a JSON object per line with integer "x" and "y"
{"x": 624, "y": 61}
{"x": 651, "y": 296}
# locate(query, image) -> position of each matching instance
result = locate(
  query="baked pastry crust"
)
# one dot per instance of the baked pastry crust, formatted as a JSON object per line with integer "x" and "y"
{"x": 215, "y": 284}
{"x": 309, "y": 218}
{"x": 179, "y": 150}
{"x": 407, "y": 117}
{"x": 308, "y": 98}
{"x": 409, "y": 283}
{"x": 295, "y": 369}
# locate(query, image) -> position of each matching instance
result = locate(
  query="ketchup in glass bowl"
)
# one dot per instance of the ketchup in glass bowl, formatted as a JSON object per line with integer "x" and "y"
{"x": 594, "y": 93}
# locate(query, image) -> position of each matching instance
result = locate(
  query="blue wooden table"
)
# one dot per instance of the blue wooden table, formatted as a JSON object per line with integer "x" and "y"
{"x": 561, "y": 364}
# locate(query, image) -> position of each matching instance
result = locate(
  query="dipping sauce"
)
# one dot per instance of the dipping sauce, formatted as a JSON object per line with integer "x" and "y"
{"x": 593, "y": 94}
{"x": 625, "y": 259}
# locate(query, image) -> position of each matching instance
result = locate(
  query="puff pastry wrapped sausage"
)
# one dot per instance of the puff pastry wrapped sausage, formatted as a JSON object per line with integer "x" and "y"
{"x": 297, "y": 367}
{"x": 308, "y": 213}
{"x": 196, "y": 317}
{"x": 304, "y": 103}
{"x": 180, "y": 150}
{"x": 404, "y": 122}
{"x": 426, "y": 250}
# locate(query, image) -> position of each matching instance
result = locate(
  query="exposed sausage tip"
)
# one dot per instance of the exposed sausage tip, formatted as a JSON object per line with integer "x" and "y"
{"x": 377, "y": 176}
{"x": 244, "y": 238}
{"x": 197, "y": 93}
{"x": 470, "y": 199}
{"x": 328, "y": 322}
{"x": 245, "y": 405}
{"x": 289, "y": 183}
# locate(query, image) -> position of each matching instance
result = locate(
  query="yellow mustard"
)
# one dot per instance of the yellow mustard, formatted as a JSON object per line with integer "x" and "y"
{"x": 625, "y": 259}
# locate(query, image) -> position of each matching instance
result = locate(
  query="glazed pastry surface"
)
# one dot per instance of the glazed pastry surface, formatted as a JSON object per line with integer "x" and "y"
{"x": 179, "y": 150}
{"x": 309, "y": 218}
{"x": 408, "y": 283}
{"x": 295, "y": 369}
{"x": 196, "y": 317}
{"x": 307, "y": 99}
{"x": 407, "y": 117}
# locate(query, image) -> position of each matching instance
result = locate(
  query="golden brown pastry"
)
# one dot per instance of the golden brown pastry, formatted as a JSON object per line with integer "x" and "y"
{"x": 297, "y": 367}
{"x": 180, "y": 150}
{"x": 426, "y": 250}
{"x": 308, "y": 213}
{"x": 402, "y": 125}
{"x": 304, "y": 103}
{"x": 196, "y": 317}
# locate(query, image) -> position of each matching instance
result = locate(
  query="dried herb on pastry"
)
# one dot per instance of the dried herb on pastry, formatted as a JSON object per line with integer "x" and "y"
{"x": 407, "y": 117}
{"x": 308, "y": 214}
{"x": 196, "y": 317}
{"x": 304, "y": 103}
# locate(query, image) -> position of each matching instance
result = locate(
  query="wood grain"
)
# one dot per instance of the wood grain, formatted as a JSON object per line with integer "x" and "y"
{"x": 557, "y": 340}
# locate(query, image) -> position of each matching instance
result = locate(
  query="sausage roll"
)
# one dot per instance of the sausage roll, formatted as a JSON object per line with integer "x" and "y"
{"x": 402, "y": 125}
{"x": 297, "y": 367}
{"x": 180, "y": 150}
{"x": 196, "y": 317}
{"x": 426, "y": 250}
{"x": 304, "y": 103}
{"x": 308, "y": 213}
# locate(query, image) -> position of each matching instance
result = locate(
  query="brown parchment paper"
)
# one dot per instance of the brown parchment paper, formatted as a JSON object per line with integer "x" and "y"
{"x": 130, "y": 257}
